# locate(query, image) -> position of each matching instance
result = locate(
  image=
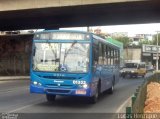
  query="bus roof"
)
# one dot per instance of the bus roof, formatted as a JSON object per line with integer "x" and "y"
{"x": 73, "y": 31}
{"x": 118, "y": 43}
{"x": 105, "y": 41}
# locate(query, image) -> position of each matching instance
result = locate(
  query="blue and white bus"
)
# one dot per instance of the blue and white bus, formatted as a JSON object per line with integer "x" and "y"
{"x": 73, "y": 63}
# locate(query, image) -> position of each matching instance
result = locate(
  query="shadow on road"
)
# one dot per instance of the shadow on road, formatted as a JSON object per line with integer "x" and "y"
{"x": 73, "y": 102}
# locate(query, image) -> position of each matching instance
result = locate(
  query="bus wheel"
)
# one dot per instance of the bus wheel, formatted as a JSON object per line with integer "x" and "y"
{"x": 110, "y": 90}
{"x": 50, "y": 98}
{"x": 94, "y": 98}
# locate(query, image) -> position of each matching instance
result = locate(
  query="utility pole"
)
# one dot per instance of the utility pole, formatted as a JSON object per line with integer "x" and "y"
{"x": 88, "y": 29}
{"x": 157, "y": 58}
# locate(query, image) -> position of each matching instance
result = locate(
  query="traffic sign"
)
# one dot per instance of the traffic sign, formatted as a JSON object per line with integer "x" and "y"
{"x": 151, "y": 48}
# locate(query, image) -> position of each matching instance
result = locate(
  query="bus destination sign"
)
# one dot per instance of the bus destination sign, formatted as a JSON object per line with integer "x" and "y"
{"x": 61, "y": 36}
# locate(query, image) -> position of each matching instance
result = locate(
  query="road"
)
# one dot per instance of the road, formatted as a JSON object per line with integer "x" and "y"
{"x": 15, "y": 98}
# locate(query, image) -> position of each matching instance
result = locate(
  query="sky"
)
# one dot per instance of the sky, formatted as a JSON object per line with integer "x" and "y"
{"x": 131, "y": 29}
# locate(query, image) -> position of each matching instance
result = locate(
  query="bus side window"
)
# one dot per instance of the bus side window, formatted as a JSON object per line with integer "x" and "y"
{"x": 100, "y": 52}
{"x": 109, "y": 55}
{"x": 95, "y": 54}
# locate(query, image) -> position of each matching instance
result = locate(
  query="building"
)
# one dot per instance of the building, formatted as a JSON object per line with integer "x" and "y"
{"x": 119, "y": 34}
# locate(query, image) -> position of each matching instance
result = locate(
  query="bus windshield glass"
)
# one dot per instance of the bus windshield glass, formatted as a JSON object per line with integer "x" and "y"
{"x": 61, "y": 57}
{"x": 131, "y": 65}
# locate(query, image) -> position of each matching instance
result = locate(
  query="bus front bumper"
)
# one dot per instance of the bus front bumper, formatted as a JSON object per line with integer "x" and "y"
{"x": 60, "y": 91}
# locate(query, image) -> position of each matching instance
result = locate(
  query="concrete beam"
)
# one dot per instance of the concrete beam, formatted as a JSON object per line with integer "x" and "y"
{"x": 8, "y": 5}
{"x": 82, "y": 15}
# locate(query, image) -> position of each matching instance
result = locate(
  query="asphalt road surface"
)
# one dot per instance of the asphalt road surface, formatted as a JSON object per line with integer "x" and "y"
{"x": 15, "y": 98}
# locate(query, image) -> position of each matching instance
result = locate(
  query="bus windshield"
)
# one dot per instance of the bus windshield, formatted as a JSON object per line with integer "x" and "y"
{"x": 61, "y": 57}
{"x": 131, "y": 65}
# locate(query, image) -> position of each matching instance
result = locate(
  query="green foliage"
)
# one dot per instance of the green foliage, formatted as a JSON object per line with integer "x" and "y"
{"x": 145, "y": 42}
{"x": 125, "y": 40}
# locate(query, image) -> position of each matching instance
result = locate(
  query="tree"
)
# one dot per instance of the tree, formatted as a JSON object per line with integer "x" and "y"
{"x": 145, "y": 42}
{"x": 125, "y": 40}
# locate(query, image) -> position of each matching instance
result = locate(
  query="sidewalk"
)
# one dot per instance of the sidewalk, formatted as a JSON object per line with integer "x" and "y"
{"x": 5, "y": 78}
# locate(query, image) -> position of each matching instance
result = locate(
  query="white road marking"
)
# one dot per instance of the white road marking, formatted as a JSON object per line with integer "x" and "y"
{"x": 26, "y": 106}
{"x": 20, "y": 108}
{"x": 123, "y": 104}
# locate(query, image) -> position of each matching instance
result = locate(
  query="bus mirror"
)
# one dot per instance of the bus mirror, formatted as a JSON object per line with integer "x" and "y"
{"x": 57, "y": 60}
{"x": 94, "y": 68}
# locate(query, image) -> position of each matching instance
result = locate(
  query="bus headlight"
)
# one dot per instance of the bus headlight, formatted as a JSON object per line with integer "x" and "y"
{"x": 85, "y": 86}
{"x": 37, "y": 83}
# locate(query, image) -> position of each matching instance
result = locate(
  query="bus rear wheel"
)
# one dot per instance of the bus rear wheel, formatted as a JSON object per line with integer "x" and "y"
{"x": 50, "y": 98}
{"x": 110, "y": 90}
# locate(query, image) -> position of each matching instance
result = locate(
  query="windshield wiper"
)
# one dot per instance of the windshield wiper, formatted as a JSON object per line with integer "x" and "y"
{"x": 55, "y": 60}
{"x": 66, "y": 52}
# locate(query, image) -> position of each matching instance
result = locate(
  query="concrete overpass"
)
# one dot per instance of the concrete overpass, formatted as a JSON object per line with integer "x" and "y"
{"x": 53, "y": 14}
